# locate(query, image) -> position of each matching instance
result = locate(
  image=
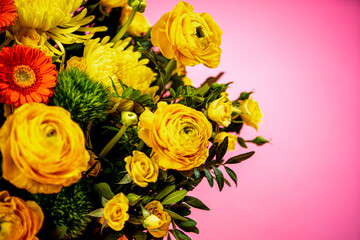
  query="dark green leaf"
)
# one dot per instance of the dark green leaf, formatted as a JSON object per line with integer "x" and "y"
{"x": 227, "y": 182}
{"x": 97, "y": 213}
{"x": 139, "y": 235}
{"x": 174, "y": 197}
{"x": 240, "y": 158}
{"x": 212, "y": 80}
{"x": 179, "y": 90}
{"x": 212, "y": 152}
{"x": 221, "y": 150}
{"x": 127, "y": 92}
{"x": 176, "y": 216}
{"x": 219, "y": 178}
{"x": 196, "y": 203}
{"x": 179, "y": 235}
{"x": 187, "y": 223}
{"x": 209, "y": 177}
{"x": 232, "y": 174}
{"x": 182, "y": 209}
{"x": 241, "y": 141}
{"x": 143, "y": 98}
{"x": 165, "y": 191}
{"x": 196, "y": 173}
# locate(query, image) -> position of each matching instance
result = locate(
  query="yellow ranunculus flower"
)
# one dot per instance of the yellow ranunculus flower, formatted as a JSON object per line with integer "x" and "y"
{"x": 43, "y": 149}
{"x": 78, "y": 62}
{"x": 113, "y": 3}
{"x": 141, "y": 168}
{"x": 19, "y": 220}
{"x": 139, "y": 25}
{"x": 159, "y": 221}
{"x": 220, "y": 110}
{"x": 188, "y": 37}
{"x": 232, "y": 139}
{"x": 254, "y": 116}
{"x": 115, "y": 211}
{"x": 177, "y": 134}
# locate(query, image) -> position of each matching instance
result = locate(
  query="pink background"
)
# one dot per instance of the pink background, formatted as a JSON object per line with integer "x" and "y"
{"x": 302, "y": 58}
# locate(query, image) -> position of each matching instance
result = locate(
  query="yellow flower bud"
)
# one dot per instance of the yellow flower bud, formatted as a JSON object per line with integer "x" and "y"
{"x": 232, "y": 139}
{"x": 159, "y": 221}
{"x": 113, "y": 3}
{"x": 128, "y": 118}
{"x": 141, "y": 168}
{"x": 254, "y": 116}
{"x": 220, "y": 110}
{"x": 139, "y": 25}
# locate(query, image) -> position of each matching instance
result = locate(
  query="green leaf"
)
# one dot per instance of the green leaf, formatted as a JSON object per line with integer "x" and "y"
{"x": 196, "y": 203}
{"x": 127, "y": 92}
{"x": 241, "y": 141}
{"x": 239, "y": 158}
{"x": 143, "y": 98}
{"x": 165, "y": 191}
{"x": 97, "y": 213}
{"x": 176, "y": 216}
{"x": 203, "y": 89}
{"x": 196, "y": 173}
{"x": 212, "y": 152}
{"x": 219, "y": 178}
{"x": 172, "y": 93}
{"x": 220, "y": 152}
{"x": 259, "y": 141}
{"x": 174, "y": 197}
{"x": 103, "y": 190}
{"x": 55, "y": 58}
{"x": 104, "y": 201}
{"x": 209, "y": 177}
{"x": 125, "y": 180}
{"x": 232, "y": 174}
{"x": 179, "y": 235}
{"x": 179, "y": 90}
{"x": 212, "y": 80}
{"x": 187, "y": 223}
{"x": 135, "y": 94}
{"x": 139, "y": 235}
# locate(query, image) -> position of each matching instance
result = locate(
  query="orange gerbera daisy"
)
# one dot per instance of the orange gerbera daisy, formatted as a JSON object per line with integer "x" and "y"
{"x": 26, "y": 75}
{"x": 8, "y": 13}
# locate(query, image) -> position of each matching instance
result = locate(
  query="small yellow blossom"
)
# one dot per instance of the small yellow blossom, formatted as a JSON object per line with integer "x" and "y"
{"x": 254, "y": 115}
{"x": 232, "y": 139}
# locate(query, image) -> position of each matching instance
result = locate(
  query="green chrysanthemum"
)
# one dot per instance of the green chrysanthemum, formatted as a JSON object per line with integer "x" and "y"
{"x": 66, "y": 212}
{"x": 84, "y": 98}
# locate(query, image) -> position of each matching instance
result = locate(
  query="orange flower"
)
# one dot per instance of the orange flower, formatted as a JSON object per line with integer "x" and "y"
{"x": 8, "y": 14}
{"x": 19, "y": 219}
{"x": 26, "y": 75}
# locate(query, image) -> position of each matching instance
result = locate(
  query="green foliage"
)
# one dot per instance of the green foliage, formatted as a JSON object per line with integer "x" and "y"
{"x": 67, "y": 209}
{"x": 84, "y": 98}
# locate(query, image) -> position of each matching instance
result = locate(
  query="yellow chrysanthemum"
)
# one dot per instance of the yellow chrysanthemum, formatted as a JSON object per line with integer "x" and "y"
{"x": 106, "y": 62}
{"x": 55, "y": 18}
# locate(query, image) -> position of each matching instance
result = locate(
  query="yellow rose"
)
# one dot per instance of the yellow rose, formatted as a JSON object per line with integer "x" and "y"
{"x": 42, "y": 148}
{"x": 139, "y": 25}
{"x": 159, "y": 221}
{"x": 254, "y": 115}
{"x": 115, "y": 211}
{"x": 141, "y": 168}
{"x": 113, "y": 3}
{"x": 177, "y": 134}
{"x": 188, "y": 37}
{"x": 19, "y": 220}
{"x": 232, "y": 139}
{"x": 220, "y": 110}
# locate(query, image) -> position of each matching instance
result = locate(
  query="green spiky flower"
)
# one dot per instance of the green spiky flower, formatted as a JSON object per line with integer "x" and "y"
{"x": 84, "y": 98}
{"x": 66, "y": 212}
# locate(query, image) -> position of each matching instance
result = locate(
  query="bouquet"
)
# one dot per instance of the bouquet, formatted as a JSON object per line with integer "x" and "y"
{"x": 102, "y": 134}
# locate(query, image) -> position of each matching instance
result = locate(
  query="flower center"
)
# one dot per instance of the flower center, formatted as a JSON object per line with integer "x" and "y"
{"x": 24, "y": 76}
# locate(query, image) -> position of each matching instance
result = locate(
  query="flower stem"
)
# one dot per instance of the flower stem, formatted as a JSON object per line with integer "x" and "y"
{"x": 113, "y": 141}
{"x": 125, "y": 27}
{"x": 170, "y": 67}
